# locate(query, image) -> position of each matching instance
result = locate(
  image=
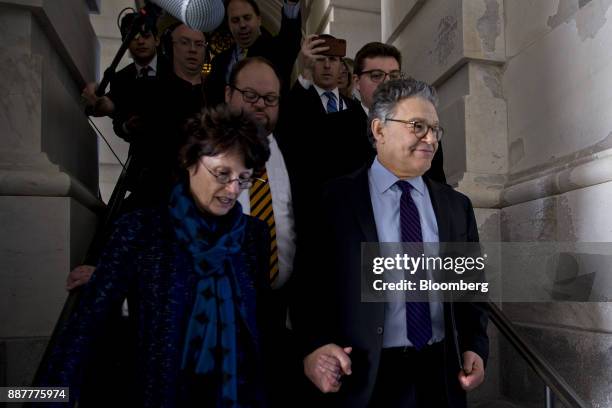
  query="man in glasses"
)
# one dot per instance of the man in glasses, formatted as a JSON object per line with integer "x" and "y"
{"x": 254, "y": 87}
{"x": 396, "y": 353}
{"x": 376, "y": 63}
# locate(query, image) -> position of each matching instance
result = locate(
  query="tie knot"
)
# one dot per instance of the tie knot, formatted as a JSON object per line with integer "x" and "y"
{"x": 144, "y": 71}
{"x": 404, "y": 186}
{"x": 330, "y": 95}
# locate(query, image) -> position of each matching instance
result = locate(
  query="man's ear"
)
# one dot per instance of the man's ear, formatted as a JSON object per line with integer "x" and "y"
{"x": 356, "y": 82}
{"x": 228, "y": 93}
{"x": 377, "y": 130}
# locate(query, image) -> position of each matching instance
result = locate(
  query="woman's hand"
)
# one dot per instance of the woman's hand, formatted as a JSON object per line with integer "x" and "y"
{"x": 79, "y": 276}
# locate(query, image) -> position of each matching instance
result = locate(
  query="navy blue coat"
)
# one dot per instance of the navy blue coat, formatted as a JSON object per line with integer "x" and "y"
{"x": 145, "y": 263}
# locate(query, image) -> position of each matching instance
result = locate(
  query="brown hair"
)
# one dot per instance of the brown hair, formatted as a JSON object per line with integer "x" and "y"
{"x": 220, "y": 130}
{"x": 373, "y": 50}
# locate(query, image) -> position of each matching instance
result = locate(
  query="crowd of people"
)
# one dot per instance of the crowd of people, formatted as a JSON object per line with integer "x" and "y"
{"x": 238, "y": 246}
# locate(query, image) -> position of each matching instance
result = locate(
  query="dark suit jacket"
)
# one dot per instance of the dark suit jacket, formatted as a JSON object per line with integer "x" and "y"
{"x": 319, "y": 146}
{"x": 163, "y": 103}
{"x": 281, "y": 50}
{"x": 134, "y": 96}
{"x": 328, "y": 306}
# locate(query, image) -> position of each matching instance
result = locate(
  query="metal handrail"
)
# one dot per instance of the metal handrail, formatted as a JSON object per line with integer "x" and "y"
{"x": 553, "y": 380}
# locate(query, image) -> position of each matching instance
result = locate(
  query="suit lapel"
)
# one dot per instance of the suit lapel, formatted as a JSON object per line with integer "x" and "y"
{"x": 440, "y": 206}
{"x": 314, "y": 95}
{"x": 362, "y": 205}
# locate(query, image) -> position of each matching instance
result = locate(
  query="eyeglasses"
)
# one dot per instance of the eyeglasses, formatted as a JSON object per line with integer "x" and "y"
{"x": 378, "y": 75}
{"x": 188, "y": 44}
{"x": 420, "y": 128}
{"x": 224, "y": 179}
{"x": 252, "y": 97}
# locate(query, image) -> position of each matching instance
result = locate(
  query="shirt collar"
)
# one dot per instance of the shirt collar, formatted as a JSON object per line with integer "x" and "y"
{"x": 152, "y": 64}
{"x": 383, "y": 179}
{"x": 366, "y": 110}
{"x": 321, "y": 91}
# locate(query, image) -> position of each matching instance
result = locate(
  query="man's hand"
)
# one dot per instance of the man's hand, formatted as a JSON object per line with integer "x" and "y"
{"x": 134, "y": 125}
{"x": 473, "y": 371}
{"x": 96, "y": 105}
{"x": 79, "y": 276}
{"x": 326, "y": 365}
{"x": 308, "y": 53}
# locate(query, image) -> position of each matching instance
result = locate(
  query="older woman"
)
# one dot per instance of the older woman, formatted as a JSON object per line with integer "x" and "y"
{"x": 195, "y": 276}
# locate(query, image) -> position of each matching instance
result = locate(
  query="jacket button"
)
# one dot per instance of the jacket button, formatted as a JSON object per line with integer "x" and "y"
{"x": 379, "y": 330}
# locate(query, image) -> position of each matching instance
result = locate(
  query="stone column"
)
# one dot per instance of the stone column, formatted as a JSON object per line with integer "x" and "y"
{"x": 48, "y": 170}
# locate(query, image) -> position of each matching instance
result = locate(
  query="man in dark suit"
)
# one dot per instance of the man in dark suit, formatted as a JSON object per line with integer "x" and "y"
{"x": 398, "y": 353}
{"x": 320, "y": 126}
{"x": 244, "y": 22}
{"x": 376, "y": 63}
{"x": 143, "y": 51}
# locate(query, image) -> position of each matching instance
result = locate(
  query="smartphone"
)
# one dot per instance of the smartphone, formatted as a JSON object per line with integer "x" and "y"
{"x": 337, "y": 46}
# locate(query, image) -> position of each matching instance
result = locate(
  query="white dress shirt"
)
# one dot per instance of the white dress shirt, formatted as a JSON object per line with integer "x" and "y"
{"x": 283, "y": 211}
{"x": 306, "y": 83}
{"x": 152, "y": 65}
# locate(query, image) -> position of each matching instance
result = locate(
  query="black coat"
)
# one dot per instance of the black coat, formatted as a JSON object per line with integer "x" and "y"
{"x": 163, "y": 103}
{"x": 320, "y": 147}
{"x": 328, "y": 306}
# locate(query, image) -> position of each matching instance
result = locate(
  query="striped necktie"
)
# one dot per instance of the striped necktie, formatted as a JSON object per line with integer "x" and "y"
{"x": 332, "y": 105}
{"x": 418, "y": 318}
{"x": 260, "y": 197}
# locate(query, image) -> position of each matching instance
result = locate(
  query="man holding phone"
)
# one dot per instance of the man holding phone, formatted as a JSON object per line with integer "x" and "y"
{"x": 319, "y": 125}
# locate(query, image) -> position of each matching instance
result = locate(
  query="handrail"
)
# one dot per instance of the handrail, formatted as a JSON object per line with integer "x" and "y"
{"x": 559, "y": 387}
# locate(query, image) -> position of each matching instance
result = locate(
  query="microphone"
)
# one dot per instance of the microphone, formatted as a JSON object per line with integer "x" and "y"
{"x": 202, "y": 15}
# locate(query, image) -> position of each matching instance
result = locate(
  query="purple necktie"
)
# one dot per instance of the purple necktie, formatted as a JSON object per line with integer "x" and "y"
{"x": 418, "y": 319}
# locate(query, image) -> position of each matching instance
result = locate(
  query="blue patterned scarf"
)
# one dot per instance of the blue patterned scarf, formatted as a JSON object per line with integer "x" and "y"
{"x": 212, "y": 330}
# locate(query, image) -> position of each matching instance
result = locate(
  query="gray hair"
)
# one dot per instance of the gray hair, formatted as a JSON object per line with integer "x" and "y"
{"x": 390, "y": 93}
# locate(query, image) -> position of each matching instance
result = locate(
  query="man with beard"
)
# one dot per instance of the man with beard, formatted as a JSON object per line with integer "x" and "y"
{"x": 254, "y": 87}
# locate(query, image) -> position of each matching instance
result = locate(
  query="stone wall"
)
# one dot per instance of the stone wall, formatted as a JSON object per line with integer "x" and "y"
{"x": 48, "y": 170}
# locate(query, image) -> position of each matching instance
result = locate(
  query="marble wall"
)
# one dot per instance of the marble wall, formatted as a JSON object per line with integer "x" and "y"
{"x": 48, "y": 170}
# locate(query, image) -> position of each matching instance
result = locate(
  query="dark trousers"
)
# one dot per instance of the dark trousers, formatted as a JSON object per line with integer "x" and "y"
{"x": 411, "y": 379}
